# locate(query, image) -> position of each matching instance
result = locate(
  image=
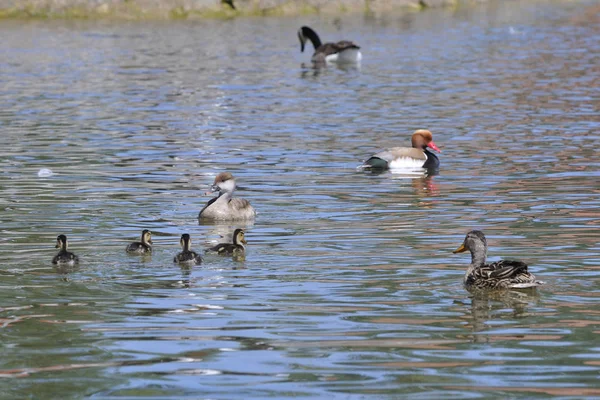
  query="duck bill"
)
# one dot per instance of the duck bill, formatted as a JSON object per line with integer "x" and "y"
{"x": 302, "y": 41}
{"x": 433, "y": 146}
{"x": 244, "y": 241}
{"x": 213, "y": 188}
{"x": 460, "y": 249}
{"x": 57, "y": 245}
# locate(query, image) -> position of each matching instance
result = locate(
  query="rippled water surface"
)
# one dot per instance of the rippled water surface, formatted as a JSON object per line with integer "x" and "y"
{"x": 350, "y": 289}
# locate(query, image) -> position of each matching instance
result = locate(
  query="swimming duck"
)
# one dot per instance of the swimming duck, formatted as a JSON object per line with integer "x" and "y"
{"x": 503, "y": 274}
{"x": 224, "y": 206}
{"x": 187, "y": 256}
{"x": 236, "y": 249}
{"x": 64, "y": 257}
{"x": 340, "y": 52}
{"x": 143, "y": 246}
{"x": 407, "y": 158}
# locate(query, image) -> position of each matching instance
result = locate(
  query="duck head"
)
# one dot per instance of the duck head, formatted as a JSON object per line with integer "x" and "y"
{"x": 239, "y": 236}
{"x": 185, "y": 242}
{"x": 61, "y": 242}
{"x": 305, "y": 33}
{"x": 422, "y": 138}
{"x": 224, "y": 182}
{"x": 146, "y": 236}
{"x": 475, "y": 242}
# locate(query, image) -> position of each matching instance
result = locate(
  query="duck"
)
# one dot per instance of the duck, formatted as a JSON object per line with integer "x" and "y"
{"x": 187, "y": 256}
{"x": 503, "y": 274}
{"x": 225, "y": 207}
{"x": 64, "y": 257}
{"x": 144, "y": 246}
{"x": 407, "y": 158}
{"x": 236, "y": 249}
{"x": 341, "y": 52}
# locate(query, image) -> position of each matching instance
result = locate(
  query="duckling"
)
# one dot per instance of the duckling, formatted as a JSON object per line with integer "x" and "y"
{"x": 64, "y": 257}
{"x": 236, "y": 249}
{"x": 225, "y": 206}
{"x": 144, "y": 246}
{"x": 503, "y": 274}
{"x": 187, "y": 256}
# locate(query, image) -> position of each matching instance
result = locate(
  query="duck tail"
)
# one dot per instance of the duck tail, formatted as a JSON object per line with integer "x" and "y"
{"x": 373, "y": 163}
{"x": 527, "y": 285}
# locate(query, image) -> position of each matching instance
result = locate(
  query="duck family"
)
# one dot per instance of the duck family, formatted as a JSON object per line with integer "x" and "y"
{"x": 503, "y": 274}
{"x": 187, "y": 256}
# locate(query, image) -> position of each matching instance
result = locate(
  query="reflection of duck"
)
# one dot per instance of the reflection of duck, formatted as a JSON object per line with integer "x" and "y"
{"x": 489, "y": 307}
{"x": 187, "y": 256}
{"x": 236, "y": 249}
{"x": 143, "y": 246}
{"x": 225, "y": 206}
{"x": 64, "y": 257}
{"x": 407, "y": 158}
{"x": 503, "y": 274}
{"x": 341, "y": 52}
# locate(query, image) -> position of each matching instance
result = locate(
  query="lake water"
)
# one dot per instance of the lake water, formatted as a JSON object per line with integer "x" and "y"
{"x": 349, "y": 289}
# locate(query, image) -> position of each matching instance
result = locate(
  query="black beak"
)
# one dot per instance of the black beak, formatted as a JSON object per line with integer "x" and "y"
{"x": 302, "y": 41}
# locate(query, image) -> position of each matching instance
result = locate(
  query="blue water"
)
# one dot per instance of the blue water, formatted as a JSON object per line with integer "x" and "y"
{"x": 349, "y": 289}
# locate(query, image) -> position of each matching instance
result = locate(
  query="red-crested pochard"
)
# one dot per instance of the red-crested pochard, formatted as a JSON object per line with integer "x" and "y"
{"x": 225, "y": 206}
{"x": 407, "y": 158}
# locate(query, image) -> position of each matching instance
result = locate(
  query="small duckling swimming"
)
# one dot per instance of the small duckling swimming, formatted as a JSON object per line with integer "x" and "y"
{"x": 64, "y": 257}
{"x": 187, "y": 256}
{"x": 144, "y": 246}
{"x": 236, "y": 249}
{"x": 503, "y": 274}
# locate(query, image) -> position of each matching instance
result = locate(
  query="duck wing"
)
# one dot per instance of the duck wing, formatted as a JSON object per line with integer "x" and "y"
{"x": 328, "y": 49}
{"x": 222, "y": 248}
{"x": 385, "y": 158}
{"x": 239, "y": 204}
{"x": 207, "y": 205}
{"x": 504, "y": 274}
{"x": 504, "y": 269}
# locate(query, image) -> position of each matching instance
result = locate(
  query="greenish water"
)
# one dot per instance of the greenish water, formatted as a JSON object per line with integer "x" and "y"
{"x": 350, "y": 289}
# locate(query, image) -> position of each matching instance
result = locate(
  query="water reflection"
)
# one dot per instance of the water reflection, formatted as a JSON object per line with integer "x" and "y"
{"x": 490, "y": 309}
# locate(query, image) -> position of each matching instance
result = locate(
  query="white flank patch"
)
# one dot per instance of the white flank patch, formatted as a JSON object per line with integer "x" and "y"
{"x": 348, "y": 56}
{"x": 406, "y": 164}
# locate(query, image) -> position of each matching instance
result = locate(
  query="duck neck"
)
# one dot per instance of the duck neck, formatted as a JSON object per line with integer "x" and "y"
{"x": 312, "y": 36}
{"x": 224, "y": 196}
{"x": 430, "y": 154}
{"x": 478, "y": 255}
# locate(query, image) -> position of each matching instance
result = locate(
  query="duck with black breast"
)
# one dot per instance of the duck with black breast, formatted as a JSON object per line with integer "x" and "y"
{"x": 407, "y": 158}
